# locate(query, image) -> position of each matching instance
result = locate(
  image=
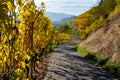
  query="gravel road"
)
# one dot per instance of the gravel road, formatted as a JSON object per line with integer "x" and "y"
{"x": 65, "y": 64}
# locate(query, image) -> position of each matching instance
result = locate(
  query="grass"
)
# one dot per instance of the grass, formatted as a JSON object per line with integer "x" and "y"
{"x": 82, "y": 51}
{"x": 104, "y": 63}
{"x": 92, "y": 56}
{"x": 52, "y": 47}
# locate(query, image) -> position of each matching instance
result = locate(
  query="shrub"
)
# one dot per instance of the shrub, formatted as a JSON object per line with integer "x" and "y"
{"x": 75, "y": 47}
{"x": 103, "y": 61}
{"x": 113, "y": 67}
{"x": 92, "y": 57}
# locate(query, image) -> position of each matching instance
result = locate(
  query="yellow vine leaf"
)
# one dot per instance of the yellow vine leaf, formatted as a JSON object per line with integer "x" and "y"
{"x": 10, "y": 6}
{"x": 23, "y": 64}
{"x": 27, "y": 57}
{"x": 22, "y": 1}
{"x": 4, "y": 59}
{"x": 18, "y": 71}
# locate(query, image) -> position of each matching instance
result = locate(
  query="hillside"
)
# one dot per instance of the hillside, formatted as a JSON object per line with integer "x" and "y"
{"x": 99, "y": 32}
{"x": 96, "y": 18}
{"x": 99, "y": 29}
{"x": 105, "y": 41}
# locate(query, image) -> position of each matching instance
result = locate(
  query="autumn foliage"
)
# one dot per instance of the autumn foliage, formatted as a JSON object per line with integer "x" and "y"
{"x": 25, "y": 36}
{"x": 96, "y": 17}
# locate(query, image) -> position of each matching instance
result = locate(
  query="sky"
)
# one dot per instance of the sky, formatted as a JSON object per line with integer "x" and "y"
{"x": 74, "y": 7}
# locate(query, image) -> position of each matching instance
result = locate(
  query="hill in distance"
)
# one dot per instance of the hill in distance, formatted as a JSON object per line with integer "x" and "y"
{"x": 65, "y": 20}
{"x": 57, "y": 16}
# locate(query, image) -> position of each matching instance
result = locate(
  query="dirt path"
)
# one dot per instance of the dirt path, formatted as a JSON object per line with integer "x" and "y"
{"x": 65, "y": 64}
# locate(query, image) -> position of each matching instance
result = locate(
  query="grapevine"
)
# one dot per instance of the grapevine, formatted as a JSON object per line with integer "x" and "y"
{"x": 25, "y": 35}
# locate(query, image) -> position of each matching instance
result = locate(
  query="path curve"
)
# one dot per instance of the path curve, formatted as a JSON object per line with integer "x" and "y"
{"x": 65, "y": 64}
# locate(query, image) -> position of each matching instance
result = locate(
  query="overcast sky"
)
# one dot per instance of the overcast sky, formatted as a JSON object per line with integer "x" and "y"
{"x": 68, "y": 6}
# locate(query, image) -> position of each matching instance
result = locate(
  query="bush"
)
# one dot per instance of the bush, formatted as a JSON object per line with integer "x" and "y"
{"x": 75, "y": 47}
{"x": 103, "y": 61}
{"x": 113, "y": 67}
{"x": 92, "y": 57}
{"x": 65, "y": 28}
{"x": 52, "y": 47}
